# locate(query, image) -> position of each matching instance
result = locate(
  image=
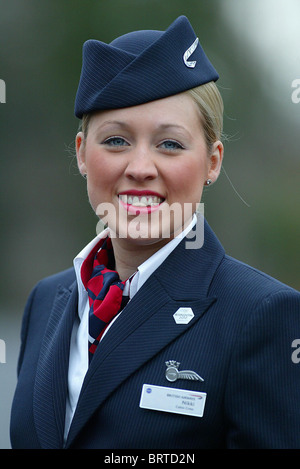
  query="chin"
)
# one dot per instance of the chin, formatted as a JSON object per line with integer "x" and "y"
{"x": 144, "y": 234}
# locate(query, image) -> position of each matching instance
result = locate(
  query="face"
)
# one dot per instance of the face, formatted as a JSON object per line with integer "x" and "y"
{"x": 146, "y": 166}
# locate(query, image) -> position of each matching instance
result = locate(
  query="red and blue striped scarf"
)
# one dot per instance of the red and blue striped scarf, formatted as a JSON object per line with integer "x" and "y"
{"x": 105, "y": 290}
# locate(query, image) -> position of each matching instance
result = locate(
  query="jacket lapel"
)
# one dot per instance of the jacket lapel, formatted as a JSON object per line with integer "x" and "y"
{"x": 49, "y": 400}
{"x": 181, "y": 281}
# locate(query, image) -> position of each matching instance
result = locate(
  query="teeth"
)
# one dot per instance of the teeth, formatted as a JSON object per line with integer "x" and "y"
{"x": 143, "y": 201}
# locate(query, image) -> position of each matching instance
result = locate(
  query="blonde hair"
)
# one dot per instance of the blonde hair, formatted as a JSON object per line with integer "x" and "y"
{"x": 210, "y": 104}
{"x": 211, "y": 107}
{"x": 84, "y": 126}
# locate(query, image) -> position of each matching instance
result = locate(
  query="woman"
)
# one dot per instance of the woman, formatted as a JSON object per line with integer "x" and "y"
{"x": 156, "y": 338}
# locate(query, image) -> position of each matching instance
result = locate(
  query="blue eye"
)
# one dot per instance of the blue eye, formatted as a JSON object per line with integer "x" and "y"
{"x": 115, "y": 142}
{"x": 171, "y": 145}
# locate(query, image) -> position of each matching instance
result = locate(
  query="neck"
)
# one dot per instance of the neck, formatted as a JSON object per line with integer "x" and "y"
{"x": 129, "y": 254}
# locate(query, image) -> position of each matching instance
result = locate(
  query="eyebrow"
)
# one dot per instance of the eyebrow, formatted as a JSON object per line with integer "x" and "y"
{"x": 125, "y": 125}
{"x": 166, "y": 126}
{"x": 120, "y": 123}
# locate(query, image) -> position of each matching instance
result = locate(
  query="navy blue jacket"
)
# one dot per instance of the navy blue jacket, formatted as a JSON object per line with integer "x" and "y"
{"x": 239, "y": 342}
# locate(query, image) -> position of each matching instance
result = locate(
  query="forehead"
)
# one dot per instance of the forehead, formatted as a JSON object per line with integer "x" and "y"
{"x": 177, "y": 110}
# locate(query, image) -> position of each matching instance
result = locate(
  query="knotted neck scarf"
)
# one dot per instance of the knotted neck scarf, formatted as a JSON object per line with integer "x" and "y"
{"x": 105, "y": 290}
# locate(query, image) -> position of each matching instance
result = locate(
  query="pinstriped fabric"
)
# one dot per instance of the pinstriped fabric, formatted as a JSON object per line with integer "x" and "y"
{"x": 262, "y": 356}
{"x": 50, "y": 393}
{"x": 115, "y": 60}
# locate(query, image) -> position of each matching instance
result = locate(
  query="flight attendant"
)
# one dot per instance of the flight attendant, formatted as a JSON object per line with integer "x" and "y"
{"x": 155, "y": 338}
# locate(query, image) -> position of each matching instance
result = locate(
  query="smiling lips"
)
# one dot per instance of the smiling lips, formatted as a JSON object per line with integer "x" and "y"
{"x": 141, "y": 201}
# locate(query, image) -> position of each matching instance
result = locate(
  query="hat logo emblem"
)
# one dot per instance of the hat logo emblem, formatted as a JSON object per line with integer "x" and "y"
{"x": 188, "y": 53}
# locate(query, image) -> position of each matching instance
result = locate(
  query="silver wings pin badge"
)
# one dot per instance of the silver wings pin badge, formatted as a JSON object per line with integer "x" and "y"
{"x": 172, "y": 373}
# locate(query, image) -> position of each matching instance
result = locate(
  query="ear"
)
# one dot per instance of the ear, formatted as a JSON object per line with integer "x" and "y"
{"x": 216, "y": 158}
{"x": 80, "y": 153}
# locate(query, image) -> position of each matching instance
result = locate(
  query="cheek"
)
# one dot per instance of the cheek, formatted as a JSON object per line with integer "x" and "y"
{"x": 188, "y": 179}
{"x": 101, "y": 179}
{"x": 96, "y": 164}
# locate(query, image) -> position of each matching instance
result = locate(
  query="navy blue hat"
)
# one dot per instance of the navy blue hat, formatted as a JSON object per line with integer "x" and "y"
{"x": 141, "y": 66}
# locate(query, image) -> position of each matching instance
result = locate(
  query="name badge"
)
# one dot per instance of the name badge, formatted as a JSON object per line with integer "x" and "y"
{"x": 177, "y": 401}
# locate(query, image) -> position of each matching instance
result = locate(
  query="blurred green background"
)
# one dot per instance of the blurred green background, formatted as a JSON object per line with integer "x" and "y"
{"x": 45, "y": 215}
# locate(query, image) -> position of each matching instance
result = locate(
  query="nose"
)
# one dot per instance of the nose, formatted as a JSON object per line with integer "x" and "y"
{"x": 141, "y": 165}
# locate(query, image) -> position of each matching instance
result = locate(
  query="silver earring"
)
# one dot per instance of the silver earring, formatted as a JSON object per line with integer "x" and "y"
{"x": 208, "y": 182}
{"x": 85, "y": 176}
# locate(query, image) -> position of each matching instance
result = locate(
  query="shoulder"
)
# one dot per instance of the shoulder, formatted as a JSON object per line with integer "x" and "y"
{"x": 44, "y": 292}
{"x": 64, "y": 279}
{"x": 38, "y": 308}
{"x": 243, "y": 282}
